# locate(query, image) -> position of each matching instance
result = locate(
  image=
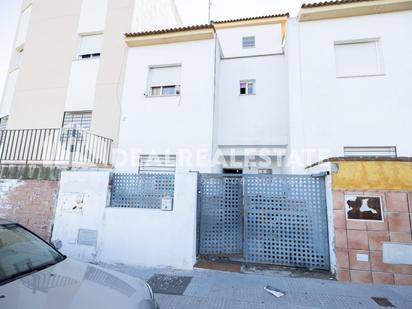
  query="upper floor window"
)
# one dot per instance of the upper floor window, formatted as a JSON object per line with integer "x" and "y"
{"x": 89, "y": 46}
{"x": 248, "y": 42}
{"x": 358, "y": 58}
{"x": 247, "y": 87}
{"x": 370, "y": 151}
{"x": 164, "y": 81}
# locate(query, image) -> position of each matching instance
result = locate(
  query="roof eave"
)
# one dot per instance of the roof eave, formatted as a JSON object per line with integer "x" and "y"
{"x": 341, "y": 10}
{"x": 170, "y": 37}
{"x": 265, "y": 20}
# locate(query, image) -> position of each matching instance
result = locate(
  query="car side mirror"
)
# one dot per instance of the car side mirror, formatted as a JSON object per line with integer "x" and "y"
{"x": 57, "y": 244}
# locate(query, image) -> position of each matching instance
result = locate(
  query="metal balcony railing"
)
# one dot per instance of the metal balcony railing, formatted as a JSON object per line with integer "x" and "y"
{"x": 54, "y": 146}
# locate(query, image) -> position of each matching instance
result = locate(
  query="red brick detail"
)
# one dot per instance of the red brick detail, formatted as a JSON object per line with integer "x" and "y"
{"x": 383, "y": 278}
{"x": 358, "y": 240}
{"x": 361, "y": 276}
{"x": 403, "y": 279}
{"x": 376, "y": 238}
{"x": 31, "y": 203}
{"x": 399, "y": 222}
{"x": 397, "y": 202}
{"x": 354, "y": 263}
{"x": 343, "y": 274}
{"x": 363, "y": 237}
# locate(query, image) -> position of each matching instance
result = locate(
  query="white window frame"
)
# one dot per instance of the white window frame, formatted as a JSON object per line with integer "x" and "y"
{"x": 161, "y": 88}
{"x": 80, "y": 56}
{"x": 162, "y": 92}
{"x": 246, "y": 39}
{"x": 80, "y": 128}
{"x": 247, "y": 82}
{"x": 370, "y": 151}
{"x": 379, "y": 55}
{"x": 157, "y": 164}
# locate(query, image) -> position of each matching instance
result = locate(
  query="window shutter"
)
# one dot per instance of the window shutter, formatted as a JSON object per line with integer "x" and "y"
{"x": 370, "y": 151}
{"x": 159, "y": 164}
{"x": 165, "y": 76}
{"x": 90, "y": 44}
{"x": 358, "y": 58}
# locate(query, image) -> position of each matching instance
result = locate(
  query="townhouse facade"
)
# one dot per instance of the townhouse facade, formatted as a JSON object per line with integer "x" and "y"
{"x": 289, "y": 92}
{"x": 264, "y": 140}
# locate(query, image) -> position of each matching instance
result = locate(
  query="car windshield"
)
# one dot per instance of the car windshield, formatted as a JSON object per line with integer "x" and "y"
{"x": 21, "y": 252}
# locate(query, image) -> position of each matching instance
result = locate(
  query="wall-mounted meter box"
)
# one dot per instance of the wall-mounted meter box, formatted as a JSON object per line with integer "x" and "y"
{"x": 167, "y": 203}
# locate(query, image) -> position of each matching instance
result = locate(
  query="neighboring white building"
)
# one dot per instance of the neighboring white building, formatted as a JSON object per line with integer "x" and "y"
{"x": 67, "y": 62}
{"x": 350, "y": 79}
{"x": 333, "y": 82}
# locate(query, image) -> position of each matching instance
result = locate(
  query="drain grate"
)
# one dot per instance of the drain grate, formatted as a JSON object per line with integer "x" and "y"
{"x": 169, "y": 284}
{"x": 383, "y": 302}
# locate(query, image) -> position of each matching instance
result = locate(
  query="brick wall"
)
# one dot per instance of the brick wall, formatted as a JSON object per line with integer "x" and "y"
{"x": 29, "y": 202}
{"x": 361, "y": 237}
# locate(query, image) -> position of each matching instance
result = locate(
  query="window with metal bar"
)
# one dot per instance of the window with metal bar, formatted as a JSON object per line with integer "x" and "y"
{"x": 370, "y": 151}
{"x": 3, "y": 122}
{"x": 248, "y": 42}
{"x": 3, "y": 127}
{"x": 158, "y": 164}
{"x": 82, "y": 121}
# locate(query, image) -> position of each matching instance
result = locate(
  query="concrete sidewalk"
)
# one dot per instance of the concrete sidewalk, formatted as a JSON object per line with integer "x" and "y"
{"x": 211, "y": 289}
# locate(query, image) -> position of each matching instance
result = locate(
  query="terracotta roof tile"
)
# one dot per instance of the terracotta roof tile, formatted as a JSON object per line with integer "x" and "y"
{"x": 169, "y": 30}
{"x": 249, "y": 18}
{"x": 198, "y": 27}
{"x": 329, "y": 3}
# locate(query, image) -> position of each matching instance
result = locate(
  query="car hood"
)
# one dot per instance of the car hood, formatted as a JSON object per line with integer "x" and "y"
{"x": 75, "y": 285}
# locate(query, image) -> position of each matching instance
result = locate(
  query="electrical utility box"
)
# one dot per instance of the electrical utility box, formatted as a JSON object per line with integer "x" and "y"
{"x": 167, "y": 203}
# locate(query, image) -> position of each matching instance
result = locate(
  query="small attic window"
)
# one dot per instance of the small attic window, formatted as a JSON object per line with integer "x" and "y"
{"x": 248, "y": 42}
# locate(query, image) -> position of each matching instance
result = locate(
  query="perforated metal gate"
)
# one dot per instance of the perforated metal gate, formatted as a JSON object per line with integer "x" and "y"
{"x": 271, "y": 219}
{"x": 130, "y": 190}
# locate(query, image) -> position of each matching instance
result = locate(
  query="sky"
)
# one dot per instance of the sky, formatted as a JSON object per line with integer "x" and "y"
{"x": 191, "y": 12}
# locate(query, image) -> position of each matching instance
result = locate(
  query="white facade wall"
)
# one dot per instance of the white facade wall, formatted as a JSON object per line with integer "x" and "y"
{"x": 210, "y": 113}
{"x": 231, "y": 40}
{"x": 9, "y": 91}
{"x": 132, "y": 236}
{"x": 81, "y": 88}
{"x": 152, "y": 237}
{"x": 253, "y": 120}
{"x": 328, "y": 112}
{"x": 92, "y": 16}
{"x": 159, "y": 125}
{"x": 23, "y": 26}
{"x": 81, "y": 205}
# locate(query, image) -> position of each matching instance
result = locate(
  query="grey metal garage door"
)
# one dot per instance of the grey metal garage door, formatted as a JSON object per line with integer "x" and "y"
{"x": 271, "y": 219}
